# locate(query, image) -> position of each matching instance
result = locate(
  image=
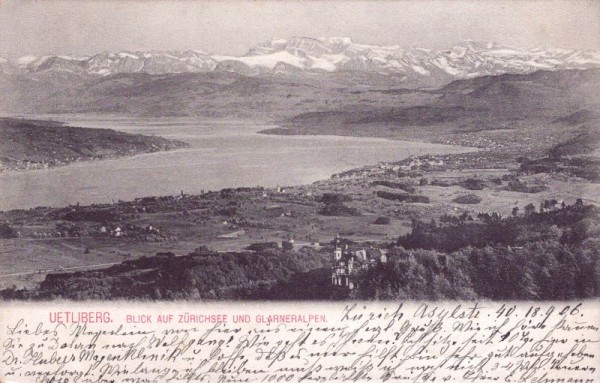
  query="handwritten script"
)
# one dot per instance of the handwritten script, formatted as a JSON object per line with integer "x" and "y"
{"x": 300, "y": 342}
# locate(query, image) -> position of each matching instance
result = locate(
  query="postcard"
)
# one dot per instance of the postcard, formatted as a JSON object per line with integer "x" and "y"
{"x": 287, "y": 191}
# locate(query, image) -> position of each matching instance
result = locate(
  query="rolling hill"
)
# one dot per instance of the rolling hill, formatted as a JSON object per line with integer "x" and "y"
{"x": 34, "y": 144}
{"x": 303, "y": 70}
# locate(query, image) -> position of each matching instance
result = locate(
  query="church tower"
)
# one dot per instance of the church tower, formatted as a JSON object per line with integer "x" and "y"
{"x": 337, "y": 252}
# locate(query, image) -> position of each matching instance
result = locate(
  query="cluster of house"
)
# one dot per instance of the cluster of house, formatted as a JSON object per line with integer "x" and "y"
{"x": 26, "y": 165}
{"x": 349, "y": 260}
{"x": 412, "y": 163}
{"x": 419, "y": 162}
{"x": 34, "y": 165}
{"x": 119, "y": 232}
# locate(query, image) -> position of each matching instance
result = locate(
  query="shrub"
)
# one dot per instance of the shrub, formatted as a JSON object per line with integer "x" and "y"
{"x": 91, "y": 215}
{"x": 262, "y": 246}
{"x": 472, "y": 184}
{"x": 382, "y": 221}
{"x": 521, "y": 187}
{"x": 338, "y": 209}
{"x": 403, "y": 197}
{"x": 441, "y": 183}
{"x": 395, "y": 185}
{"x": 6, "y": 231}
{"x": 470, "y": 199}
{"x": 228, "y": 211}
{"x": 335, "y": 198}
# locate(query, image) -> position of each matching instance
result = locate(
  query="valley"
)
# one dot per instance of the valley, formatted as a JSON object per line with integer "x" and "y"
{"x": 67, "y": 249}
{"x": 382, "y": 158}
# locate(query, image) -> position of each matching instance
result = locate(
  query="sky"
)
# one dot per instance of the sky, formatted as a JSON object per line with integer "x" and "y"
{"x": 233, "y": 27}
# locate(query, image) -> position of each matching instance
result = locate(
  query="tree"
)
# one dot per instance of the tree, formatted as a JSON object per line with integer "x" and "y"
{"x": 287, "y": 245}
{"x": 6, "y": 231}
{"x": 528, "y": 288}
{"x": 529, "y": 210}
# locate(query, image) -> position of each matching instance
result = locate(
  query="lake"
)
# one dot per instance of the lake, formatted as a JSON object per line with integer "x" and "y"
{"x": 222, "y": 154}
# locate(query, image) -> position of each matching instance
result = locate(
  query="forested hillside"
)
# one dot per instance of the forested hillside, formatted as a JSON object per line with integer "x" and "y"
{"x": 550, "y": 253}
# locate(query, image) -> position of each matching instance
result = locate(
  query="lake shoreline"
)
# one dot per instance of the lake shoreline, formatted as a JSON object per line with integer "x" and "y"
{"x": 83, "y": 161}
{"x": 220, "y": 155}
{"x": 38, "y": 144}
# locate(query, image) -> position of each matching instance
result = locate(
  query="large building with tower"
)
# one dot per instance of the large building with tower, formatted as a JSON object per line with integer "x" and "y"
{"x": 348, "y": 260}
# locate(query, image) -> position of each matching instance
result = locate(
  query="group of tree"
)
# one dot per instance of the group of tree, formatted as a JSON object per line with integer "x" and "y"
{"x": 550, "y": 253}
{"x": 571, "y": 223}
{"x": 203, "y": 274}
{"x": 6, "y": 231}
{"x": 334, "y": 205}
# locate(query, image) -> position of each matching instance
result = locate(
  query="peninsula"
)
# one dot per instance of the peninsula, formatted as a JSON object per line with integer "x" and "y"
{"x": 36, "y": 144}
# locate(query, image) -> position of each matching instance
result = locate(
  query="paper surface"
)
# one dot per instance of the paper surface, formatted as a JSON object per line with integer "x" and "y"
{"x": 291, "y": 342}
{"x": 454, "y": 154}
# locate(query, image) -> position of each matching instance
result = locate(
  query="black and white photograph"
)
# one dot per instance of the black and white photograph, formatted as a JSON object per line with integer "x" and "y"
{"x": 273, "y": 151}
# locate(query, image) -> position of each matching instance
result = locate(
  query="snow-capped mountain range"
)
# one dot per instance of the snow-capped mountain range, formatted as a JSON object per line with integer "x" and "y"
{"x": 307, "y": 55}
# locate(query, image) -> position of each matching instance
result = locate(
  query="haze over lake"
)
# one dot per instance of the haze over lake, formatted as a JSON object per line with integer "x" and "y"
{"x": 222, "y": 154}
